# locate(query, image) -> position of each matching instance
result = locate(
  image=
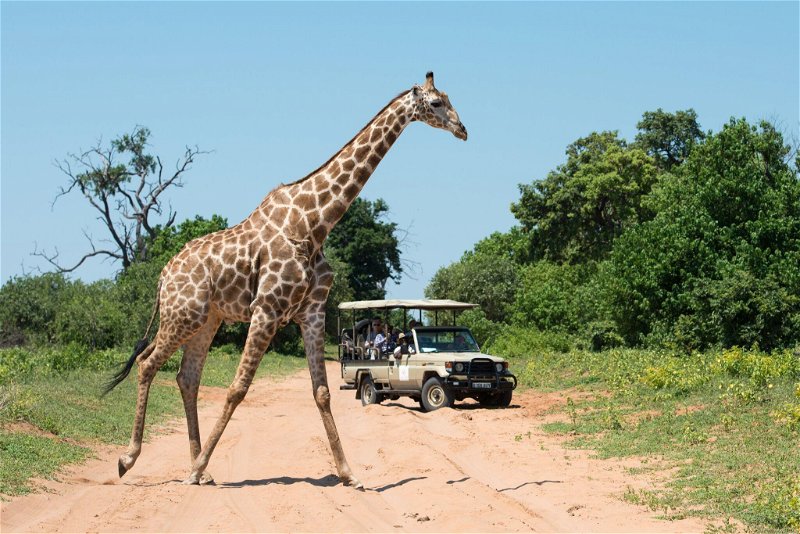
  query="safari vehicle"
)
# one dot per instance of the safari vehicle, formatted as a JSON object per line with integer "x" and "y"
{"x": 443, "y": 365}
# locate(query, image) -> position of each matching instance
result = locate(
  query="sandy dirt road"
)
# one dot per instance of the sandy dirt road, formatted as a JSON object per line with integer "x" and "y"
{"x": 454, "y": 470}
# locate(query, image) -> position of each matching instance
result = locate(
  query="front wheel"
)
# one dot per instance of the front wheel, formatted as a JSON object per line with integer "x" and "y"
{"x": 502, "y": 399}
{"x": 435, "y": 395}
{"x": 369, "y": 395}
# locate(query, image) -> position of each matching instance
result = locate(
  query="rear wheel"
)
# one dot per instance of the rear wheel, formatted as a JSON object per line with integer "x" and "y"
{"x": 435, "y": 395}
{"x": 369, "y": 395}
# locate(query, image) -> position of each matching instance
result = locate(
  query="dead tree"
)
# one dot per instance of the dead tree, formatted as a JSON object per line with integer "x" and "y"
{"x": 127, "y": 196}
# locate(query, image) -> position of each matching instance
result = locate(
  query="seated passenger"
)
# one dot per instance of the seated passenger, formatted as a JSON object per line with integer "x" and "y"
{"x": 379, "y": 343}
{"x": 391, "y": 339}
{"x": 404, "y": 346}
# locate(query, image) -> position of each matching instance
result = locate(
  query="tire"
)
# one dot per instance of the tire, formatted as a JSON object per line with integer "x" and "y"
{"x": 435, "y": 395}
{"x": 369, "y": 395}
{"x": 504, "y": 398}
{"x": 487, "y": 399}
{"x": 492, "y": 400}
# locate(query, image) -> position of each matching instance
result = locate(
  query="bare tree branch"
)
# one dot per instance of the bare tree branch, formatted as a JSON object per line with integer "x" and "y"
{"x": 126, "y": 196}
{"x": 51, "y": 258}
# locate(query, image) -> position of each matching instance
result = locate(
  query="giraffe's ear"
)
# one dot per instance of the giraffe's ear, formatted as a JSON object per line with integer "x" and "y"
{"x": 429, "y": 81}
{"x": 415, "y": 90}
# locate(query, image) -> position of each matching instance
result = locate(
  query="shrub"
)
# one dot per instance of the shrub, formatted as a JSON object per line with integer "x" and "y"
{"x": 29, "y": 306}
{"x": 90, "y": 316}
{"x": 553, "y": 297}
{"x": 484, "y": 330}
{"x": 520, "y": 342}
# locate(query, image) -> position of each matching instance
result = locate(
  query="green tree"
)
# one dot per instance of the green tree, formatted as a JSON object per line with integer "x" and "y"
{"x": 482, "y": 279}
{"x": 720, "y": 262}
{"x": 575, "y": 213}
{"x": 513, "y": 245}
{"x": 553, "y": 296}
{"x": 369, "y": 246}
{"x": 668, "y": 137}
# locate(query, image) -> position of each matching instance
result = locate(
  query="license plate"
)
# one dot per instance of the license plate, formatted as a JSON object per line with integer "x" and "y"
{"x": 482, "y": 385}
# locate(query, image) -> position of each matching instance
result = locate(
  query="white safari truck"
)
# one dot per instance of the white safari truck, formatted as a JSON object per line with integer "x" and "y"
{"x": 435, "y": 365}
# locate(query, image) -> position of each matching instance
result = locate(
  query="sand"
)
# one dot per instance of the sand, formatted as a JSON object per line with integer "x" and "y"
{"x": 466, "y": 469}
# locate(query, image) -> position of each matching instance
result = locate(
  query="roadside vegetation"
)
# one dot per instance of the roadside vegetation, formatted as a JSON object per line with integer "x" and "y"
{"x": 720, "y": 429}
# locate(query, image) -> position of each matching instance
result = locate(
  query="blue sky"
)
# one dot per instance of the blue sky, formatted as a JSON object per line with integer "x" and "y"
{"x": 275, "y": 89}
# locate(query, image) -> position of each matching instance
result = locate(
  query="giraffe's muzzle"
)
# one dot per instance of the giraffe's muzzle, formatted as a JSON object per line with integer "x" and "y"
{"x": 461, "y": 132}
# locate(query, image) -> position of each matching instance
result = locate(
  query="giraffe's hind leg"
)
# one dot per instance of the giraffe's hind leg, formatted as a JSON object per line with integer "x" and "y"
{"x": 149, "y": 364}
{"x": 194, "y": 358}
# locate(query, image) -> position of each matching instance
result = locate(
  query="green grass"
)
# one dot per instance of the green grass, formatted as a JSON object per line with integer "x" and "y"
{"x": 721, "y": 429}
{"x": 55, "y": 392}
{"x": 25, "y": 456}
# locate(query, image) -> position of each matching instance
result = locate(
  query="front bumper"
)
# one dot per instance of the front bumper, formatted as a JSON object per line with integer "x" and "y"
{"x": 479, "y": 383}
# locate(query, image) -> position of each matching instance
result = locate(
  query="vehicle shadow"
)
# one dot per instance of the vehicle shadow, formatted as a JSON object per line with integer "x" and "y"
{"x": 456, "y": 406}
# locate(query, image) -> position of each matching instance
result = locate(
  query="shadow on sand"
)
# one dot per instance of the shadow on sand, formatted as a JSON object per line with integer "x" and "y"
{"x": 538, "y": 483}
{"x": 327, "y": 481}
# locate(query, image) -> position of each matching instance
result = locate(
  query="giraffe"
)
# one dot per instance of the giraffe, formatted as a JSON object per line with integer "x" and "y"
{"x": 268, "y": 270}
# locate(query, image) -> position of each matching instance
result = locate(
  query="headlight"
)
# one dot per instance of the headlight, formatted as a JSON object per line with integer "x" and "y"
{"x": 459, "y": 367}
{"x": 499, "y": 367}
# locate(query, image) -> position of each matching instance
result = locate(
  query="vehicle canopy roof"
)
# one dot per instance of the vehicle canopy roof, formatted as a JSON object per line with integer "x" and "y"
{"x": 420, "y": 304}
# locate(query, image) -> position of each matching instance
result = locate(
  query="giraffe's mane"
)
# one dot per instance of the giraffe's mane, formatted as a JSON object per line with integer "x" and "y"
{"x": 315, "y": 171}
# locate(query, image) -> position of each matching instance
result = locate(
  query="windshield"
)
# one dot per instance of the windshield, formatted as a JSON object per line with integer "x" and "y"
{"x": 455, "y": 340}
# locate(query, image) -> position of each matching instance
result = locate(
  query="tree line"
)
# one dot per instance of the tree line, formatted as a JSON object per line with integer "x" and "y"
{"x": 680, "y": 239}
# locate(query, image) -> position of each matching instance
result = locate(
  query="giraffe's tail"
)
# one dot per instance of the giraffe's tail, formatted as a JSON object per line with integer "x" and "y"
{"x": 143, "y": 347}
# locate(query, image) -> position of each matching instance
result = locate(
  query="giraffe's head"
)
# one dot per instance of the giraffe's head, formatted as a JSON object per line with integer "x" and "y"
{"x": 433, "y": 107}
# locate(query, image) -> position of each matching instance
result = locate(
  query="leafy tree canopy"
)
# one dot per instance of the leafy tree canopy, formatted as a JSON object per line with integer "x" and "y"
{"x": 575, "y": 213}
{"x": 483, "y": 279}
{"x": 720, "y": 262}
{"x": 668, "y": 137}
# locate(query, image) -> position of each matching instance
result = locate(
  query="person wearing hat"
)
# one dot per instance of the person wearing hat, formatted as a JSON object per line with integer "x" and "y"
{"x": 403, "y": 347}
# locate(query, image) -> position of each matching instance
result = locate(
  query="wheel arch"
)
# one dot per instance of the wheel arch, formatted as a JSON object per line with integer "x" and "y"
{"x": 360, "y": 374}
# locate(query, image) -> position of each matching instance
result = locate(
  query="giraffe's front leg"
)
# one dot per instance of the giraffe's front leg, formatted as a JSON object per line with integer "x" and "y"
{"x": 194, "y": 358}
{"x": 312, "y": 325}
{"x": 262, "y": 329}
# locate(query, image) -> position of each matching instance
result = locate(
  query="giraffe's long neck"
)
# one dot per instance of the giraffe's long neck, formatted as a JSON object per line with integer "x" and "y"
{"x": 324, "y": 196}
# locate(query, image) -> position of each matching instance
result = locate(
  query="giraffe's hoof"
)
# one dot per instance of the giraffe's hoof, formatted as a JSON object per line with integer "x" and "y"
{"x": 193, "y": 480}
{"x": 124, "y": 464}
{"x": 354, "y": 482}
{"x": 207, "y": 480}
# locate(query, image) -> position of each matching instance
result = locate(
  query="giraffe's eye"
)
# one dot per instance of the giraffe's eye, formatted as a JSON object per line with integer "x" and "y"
{"x": 436, "y": 104}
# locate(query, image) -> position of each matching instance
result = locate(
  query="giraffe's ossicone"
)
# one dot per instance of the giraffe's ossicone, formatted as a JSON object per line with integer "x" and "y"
{"x": 268, "y": 270}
